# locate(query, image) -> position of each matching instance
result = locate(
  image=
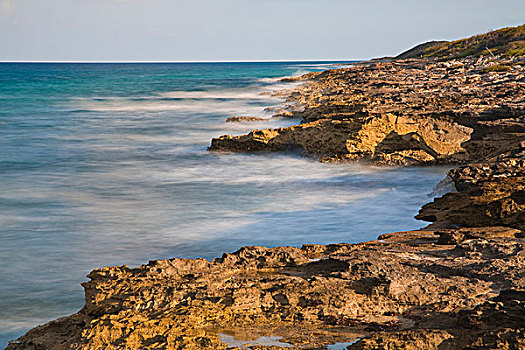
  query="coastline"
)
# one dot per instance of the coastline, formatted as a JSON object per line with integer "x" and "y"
{"x": 398, "y": 112}
{"x": 457, "y": 283}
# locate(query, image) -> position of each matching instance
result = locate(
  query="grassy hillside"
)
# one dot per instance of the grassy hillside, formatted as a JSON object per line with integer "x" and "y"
{"x": 506, "y": 42}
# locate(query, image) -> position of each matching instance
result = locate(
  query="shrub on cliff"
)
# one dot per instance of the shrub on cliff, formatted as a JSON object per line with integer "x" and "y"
{"x": 497, "y": 68}
{"x": 507, "y": 42}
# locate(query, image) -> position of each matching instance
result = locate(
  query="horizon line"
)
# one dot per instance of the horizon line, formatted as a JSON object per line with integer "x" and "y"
{"x": 188, "y": 61}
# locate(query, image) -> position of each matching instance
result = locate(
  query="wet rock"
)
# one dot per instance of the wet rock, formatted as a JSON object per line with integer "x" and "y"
{"x": 410, "y": 112}
{"x": 412, "y": 340}
{"x": 387, "y": 139}
{"x": 243, "y": 119}
{"x": 322, "y": 137}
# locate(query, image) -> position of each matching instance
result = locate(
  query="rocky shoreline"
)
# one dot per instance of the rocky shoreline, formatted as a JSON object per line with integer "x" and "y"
{"x": 459, "y": 283}
{"x": 401, "y": 112}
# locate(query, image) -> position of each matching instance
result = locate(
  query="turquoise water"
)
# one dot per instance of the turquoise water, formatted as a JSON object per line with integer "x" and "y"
{"x": 106, "y": 164}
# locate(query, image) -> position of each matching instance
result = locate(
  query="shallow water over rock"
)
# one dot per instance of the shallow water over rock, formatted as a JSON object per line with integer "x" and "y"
{"x": 245, "y": 344}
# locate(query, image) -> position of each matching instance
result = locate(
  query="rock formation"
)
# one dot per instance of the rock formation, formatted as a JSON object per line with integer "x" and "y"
{"x": 408, "y": 290}
{"x": 401, "y": 113}
{"x": 243, "y": 119}
{"x": 490, "y": 193}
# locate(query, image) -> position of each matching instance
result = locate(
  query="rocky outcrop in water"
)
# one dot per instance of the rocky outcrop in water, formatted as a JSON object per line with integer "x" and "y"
{"x": 243, "y": 119}
{"x": 410, "y": 112}
{"x": 489, "y": 193}
{"x": 388, "y": 139}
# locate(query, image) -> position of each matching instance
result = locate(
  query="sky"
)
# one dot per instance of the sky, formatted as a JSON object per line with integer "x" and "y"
{"x": 238, "y": 30}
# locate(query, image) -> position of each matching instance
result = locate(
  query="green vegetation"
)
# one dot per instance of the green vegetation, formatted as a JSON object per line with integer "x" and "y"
{"x": 507, "y": 42}
{"x": 519, "y": 51}
{"x": 497, "y": 68}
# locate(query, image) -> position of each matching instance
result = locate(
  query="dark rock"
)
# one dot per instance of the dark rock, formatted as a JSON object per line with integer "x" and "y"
{"x": 243, "y": 119}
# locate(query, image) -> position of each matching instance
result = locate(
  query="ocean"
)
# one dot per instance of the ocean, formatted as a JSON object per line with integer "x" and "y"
{"x": 106, "y": 164}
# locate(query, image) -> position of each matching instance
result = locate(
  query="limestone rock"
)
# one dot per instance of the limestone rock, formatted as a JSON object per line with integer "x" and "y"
{"x": 490, "y": 193}
{"x": 409, "y": 112}
{"x": 243, "y": 119}
{"x": 404, "y": 291}
{"x": 384, "y": 139}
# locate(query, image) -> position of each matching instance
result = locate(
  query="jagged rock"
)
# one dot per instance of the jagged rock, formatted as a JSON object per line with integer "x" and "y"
{"x": 322, "y": 137}
{"x": 490, "y": 193}
{"x": 410, "y": 340}
{"x": 410, "y": 112}
{"x": 380, "y": 138}
{"x": 403, "y": 282}
{"x": 459, "y": 235}
{"x": 243, "y": 119}
{"x": 494, "y": 324}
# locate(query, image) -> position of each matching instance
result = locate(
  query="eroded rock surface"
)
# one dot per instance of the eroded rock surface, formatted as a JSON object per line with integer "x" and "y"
{"x": 404, "y": 291}
{"x": 402, "y": 113}
{"x": 243, "y": 119}
{"x": 387, "y": 139}
{"x": 489, "y": 193}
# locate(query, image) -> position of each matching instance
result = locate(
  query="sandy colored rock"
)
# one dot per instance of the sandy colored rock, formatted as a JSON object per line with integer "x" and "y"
{"x": 408, "y": 112}
{"x": 378, "y": 138}
{"x": 489, "y": 193}
{"x": 405, "y": 284}
{"x": 243, "y": 119}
